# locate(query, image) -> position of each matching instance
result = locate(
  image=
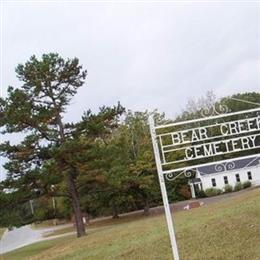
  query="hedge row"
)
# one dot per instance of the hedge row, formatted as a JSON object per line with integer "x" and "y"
{"x": 228, "y": 188}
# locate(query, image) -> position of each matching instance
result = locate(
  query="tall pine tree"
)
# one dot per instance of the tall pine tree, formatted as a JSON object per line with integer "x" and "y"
{"x": 36, "y": 111}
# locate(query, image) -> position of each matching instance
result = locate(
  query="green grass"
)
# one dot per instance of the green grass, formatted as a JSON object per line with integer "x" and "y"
{"x": 47, "y": 223}
{"x": 95, "y": 225}
{"x": 29, "y": 251}
{"x": 60, "y": 231}
{"x": 225, "y": 230}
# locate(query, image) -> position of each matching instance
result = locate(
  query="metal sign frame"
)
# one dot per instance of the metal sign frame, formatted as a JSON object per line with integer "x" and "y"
{"x": 210, "y": 114}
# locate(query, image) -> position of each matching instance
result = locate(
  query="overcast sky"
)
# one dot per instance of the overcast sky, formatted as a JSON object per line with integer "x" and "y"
{"x": 145, "y": 55}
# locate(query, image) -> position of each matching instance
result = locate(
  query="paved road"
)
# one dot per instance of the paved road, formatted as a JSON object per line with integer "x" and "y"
{"x": 19, "y": 237}
{"x": 23, "y": 236}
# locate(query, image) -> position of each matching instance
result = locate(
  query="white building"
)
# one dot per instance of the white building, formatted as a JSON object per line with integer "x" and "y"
{"x": 218, "y": 175}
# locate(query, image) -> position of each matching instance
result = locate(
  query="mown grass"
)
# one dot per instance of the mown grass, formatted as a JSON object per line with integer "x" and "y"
{"x": 226, "y": 230}
{"x": 47, "y": 223}
{"x": 60, "y": 231}
{"x": 32, "y": 250}
{"x": 94, "y": 225}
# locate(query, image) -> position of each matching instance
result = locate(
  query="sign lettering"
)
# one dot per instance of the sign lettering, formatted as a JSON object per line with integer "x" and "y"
{"x": 215, "y": 136}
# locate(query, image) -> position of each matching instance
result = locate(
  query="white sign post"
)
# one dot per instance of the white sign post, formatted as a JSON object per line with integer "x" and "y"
{"x": 163, "y": 190}
{"x": 180, "y": 148}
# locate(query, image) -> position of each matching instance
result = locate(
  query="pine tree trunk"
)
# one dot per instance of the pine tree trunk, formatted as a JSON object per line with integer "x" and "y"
{"x": 74, "y": 196}
{"x": 76, "y": 207}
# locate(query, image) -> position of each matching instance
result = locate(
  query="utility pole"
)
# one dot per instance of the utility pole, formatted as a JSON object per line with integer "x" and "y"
{"x": 54, "y": 206}
{"x": 31, "y": 205}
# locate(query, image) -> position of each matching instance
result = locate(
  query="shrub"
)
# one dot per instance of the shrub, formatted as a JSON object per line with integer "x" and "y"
{"x": 212, "y": 192}
{"x": 238, "y": 186}
{"x": 246, "y": 184}
{"x": 228, "y": 188}
{"x": 200, "y": 194}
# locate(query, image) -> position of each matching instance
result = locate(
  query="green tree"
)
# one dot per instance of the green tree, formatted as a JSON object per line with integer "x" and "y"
{"x": 142, "y": 170}
{"x": 126, "y": 163}
{"x": 36, "y": 110}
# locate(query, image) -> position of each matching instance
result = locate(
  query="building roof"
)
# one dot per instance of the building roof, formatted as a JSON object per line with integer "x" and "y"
{"x": 194, "y": 181}
{"x": 229, "y": 166}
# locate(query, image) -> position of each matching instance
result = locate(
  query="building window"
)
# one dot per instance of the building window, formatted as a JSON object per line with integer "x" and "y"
{"x": 225, "y": 179}
{"x": 249, "y": 175}
{"x": 237, "y": 178}
{"x": 213, "y": 182}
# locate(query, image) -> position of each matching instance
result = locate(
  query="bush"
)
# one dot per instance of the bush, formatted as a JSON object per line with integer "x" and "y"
{"x": 246, "y": 184}
{"x": 228, "y": 188}
{"x": 212, "y": 192}
{"x": 238, "y": 186}
{"x": 200, "y": 194}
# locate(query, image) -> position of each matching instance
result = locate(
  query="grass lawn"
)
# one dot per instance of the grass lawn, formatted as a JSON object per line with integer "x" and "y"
{"x": 60, "y": 231}
{"x": 46, "y": 224}
{"x": 225, "y": 230}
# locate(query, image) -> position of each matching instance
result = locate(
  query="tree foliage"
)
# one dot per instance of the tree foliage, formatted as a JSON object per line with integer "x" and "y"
{"x": 101, "y": 165}
{"x": 51, "y": 149}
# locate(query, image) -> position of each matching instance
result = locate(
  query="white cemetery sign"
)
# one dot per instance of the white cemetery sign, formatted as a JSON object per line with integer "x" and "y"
{"x": 181, "y": 147}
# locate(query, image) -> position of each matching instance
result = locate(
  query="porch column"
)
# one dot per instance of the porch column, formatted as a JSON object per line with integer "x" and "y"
{"x": 192, "y": 191}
